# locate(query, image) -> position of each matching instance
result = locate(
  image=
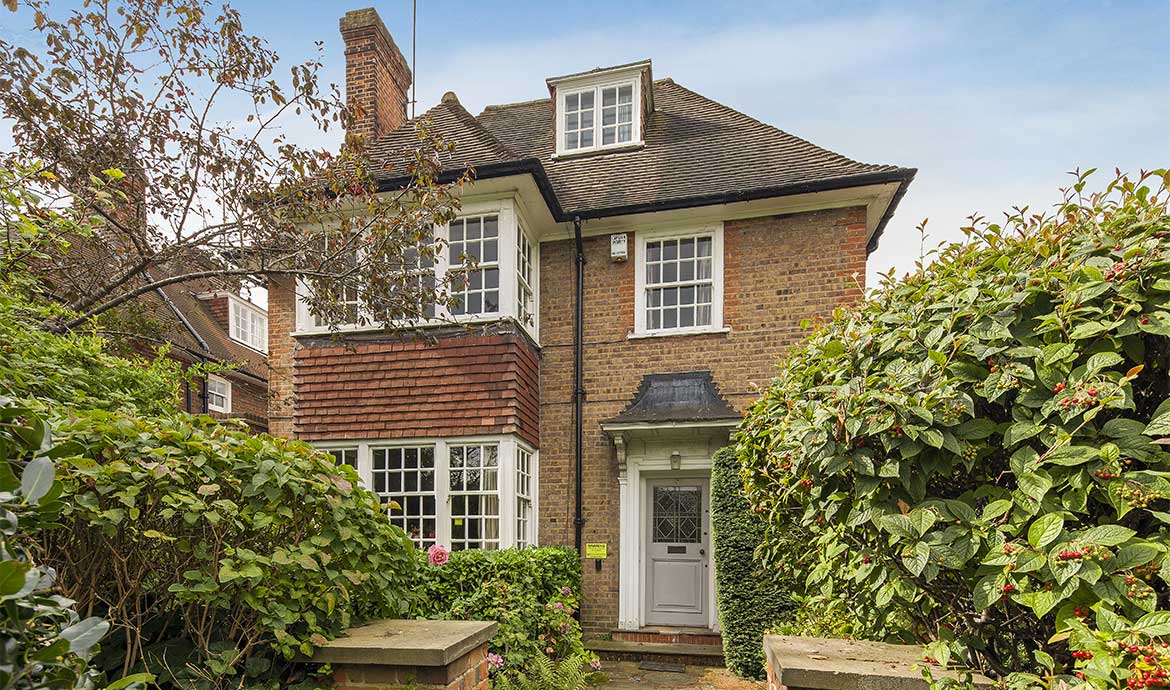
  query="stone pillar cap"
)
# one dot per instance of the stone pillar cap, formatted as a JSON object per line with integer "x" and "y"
{"x": 406, "y": 643}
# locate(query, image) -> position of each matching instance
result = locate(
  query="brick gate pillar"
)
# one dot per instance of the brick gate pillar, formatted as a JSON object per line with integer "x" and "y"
{"x": 399, "y": 654}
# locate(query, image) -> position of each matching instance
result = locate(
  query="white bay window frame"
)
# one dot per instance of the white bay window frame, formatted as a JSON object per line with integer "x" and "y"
{"x": 506, "y": 480}
{"x": 642, "y": 238}
{"x": 510, "y": 222}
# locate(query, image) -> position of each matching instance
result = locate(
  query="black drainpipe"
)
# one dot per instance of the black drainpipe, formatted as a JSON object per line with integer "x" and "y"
{"x": 579, "y": 382}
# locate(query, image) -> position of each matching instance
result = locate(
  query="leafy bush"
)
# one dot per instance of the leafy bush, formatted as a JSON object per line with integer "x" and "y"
{"x": 545, "y": 674}
{"x": 216, "y": 553}
{"x": 751, "y": 599}
{"x": 46, "y": 644}
{"x": 980, "y": 446}
{"x": 531, "y": 593}
{"x": 76, "y": 369}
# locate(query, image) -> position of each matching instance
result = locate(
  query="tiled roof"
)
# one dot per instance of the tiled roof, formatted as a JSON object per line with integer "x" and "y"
{"x": 680, "y": 397}
{"x": 694, "y": 147}
{"x": 696, "y": 152}
{"x": 474, "y": 145}
{"x": 220, "y": 346}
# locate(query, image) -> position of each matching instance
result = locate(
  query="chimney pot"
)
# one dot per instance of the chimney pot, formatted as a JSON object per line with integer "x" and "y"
{"x": 377, "y": 76}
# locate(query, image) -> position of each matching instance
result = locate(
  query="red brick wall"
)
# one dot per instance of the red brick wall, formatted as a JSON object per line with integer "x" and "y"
{"x": 282, "y": 320}
{"x": 220, "y": 311}
{"x": 458, "y": 385}
{"x": 777, "y": 271}
{"x": 376, "y": 75}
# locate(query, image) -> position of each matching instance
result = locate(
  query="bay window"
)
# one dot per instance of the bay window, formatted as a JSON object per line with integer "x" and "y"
{"x": 472, "y": 493}
{"x": 500, "y": 282}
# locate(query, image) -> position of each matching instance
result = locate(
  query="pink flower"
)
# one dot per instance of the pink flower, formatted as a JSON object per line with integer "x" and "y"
{"x": 438, "y": 554}
{"x": 495, "y": 661}
{"x": 595, "y": 664}
{"x": 560, "y": 605}
{"x": 566, "y": 591}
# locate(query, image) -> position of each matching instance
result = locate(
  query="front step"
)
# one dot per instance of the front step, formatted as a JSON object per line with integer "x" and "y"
{"x": 687, "y": 654}
{"x": 661, "y": 635}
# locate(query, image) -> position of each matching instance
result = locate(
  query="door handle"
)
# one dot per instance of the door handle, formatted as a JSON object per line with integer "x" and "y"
{"x": 702, "y": 552}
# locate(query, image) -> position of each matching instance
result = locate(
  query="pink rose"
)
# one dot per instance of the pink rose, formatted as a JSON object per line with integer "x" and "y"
{"x": 495, "y": 661}
{"x": 566, "y": 591}
{"x": 438, "y": 554}
{"x": 560, "y": 605}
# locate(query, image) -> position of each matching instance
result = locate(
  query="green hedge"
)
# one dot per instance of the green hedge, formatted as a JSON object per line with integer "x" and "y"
{"x": 531, "y": 593}
{"x": 751, "y": 600}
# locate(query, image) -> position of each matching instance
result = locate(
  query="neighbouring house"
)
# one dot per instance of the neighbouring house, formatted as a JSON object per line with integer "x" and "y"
{"x": 645, "y": 253}
{"x": 215, "y": 326}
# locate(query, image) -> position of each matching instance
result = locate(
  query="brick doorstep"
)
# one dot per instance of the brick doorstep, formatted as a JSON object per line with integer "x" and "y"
{"x": 687, "y": 654}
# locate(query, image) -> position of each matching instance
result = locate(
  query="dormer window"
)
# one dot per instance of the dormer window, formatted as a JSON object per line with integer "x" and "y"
{"x": 249, "y": 324}
{"x": 600, "y": 109}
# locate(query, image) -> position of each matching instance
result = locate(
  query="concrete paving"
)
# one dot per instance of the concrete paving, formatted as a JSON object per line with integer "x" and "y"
{"x": 625, "y": 675}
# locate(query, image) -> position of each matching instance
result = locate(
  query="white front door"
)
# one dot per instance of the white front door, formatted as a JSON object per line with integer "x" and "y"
{"x": 677, "y": 552}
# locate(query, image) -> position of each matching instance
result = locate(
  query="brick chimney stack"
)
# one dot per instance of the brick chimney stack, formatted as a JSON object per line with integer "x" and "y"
{"x": 377, "y": 77}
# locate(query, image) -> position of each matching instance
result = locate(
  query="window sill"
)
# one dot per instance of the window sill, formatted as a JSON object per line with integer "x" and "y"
{"x": 598, "y": 151}
{"x": 248, "y": 345}
{"x": 466, "y": 321}
{"x": 676, "y": 332}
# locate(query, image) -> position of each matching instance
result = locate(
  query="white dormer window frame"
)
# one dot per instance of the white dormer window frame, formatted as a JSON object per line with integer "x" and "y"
{"x": 247, "y": 324}
{"x": 597, "y": 115}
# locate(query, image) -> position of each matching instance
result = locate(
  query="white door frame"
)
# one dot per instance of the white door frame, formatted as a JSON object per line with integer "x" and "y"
{"x": 646, "y": 453}
{"x": 648, "y": 480}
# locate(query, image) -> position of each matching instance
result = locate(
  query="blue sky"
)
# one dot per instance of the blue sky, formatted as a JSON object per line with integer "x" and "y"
{"x": 993, "y": 101}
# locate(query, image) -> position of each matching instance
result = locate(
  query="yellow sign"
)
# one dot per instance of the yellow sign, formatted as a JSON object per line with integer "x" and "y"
{"x": 595, "y": 550}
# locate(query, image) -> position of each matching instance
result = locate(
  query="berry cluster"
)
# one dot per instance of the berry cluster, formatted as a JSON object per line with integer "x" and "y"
{"x": 1136, "y": 496}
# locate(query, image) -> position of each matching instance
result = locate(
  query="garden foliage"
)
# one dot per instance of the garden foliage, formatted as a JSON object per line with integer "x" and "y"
{"x": 751, "y": 598}
{"x": 215, "y": 555}
{"x": 46, "y": 643}
{"x": 532, "y": 593}
{"x": 545, "y": 674}
{"x": 980, "y": 447}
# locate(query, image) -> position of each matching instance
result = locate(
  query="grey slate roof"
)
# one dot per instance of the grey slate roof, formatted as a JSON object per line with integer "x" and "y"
{"x": 696, "y": 152}
{"x": 680, "y": 397}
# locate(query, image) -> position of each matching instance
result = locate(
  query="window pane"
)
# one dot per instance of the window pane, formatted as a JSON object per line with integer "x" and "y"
{"x": 571, "y": 101}
{"x": 626, "y": 93}
{"x": 609, "y": 96}
{"x": 587, "y": 100}
{"x": 587, "y": 138}
{"x": 653, "y": 251}
{"x": 607, "y": 135}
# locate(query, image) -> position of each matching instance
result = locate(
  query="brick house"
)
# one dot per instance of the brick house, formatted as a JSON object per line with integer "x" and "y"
{"x": 216, "y": 326}
{"x": 645, "y": 254}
